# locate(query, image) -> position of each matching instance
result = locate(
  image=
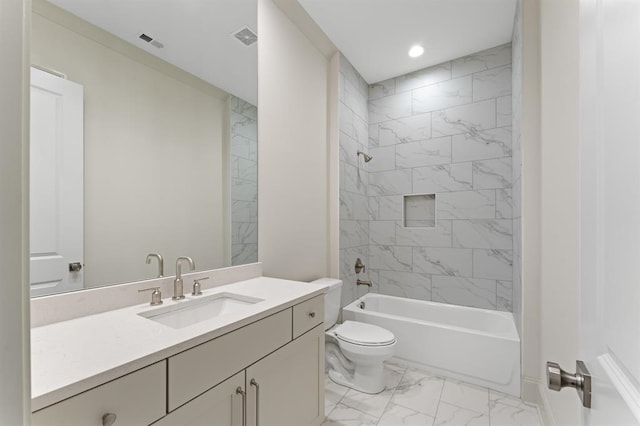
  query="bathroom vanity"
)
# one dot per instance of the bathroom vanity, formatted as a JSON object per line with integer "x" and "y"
{"x": 259, "y": 360}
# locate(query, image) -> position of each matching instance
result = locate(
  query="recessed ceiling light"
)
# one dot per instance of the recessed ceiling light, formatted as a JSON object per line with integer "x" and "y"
{"x": 416, "y": 51}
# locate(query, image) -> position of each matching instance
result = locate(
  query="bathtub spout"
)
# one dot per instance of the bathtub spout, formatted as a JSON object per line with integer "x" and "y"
{"x": 363, "y": 282}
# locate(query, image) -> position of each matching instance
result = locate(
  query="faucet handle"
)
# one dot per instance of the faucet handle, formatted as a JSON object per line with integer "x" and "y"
{"x": 156, "y": 296}
{"x": 197, "y": 288}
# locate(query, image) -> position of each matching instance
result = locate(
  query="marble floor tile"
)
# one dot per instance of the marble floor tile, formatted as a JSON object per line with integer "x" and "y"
{"x": 373, "y": 405}
{"x": 393, "y": 375}
{"x": 467, "y": 396}
{"x": 397, "y": 415}
{"x": 333, "y": 393}
{"x": 450, "y": 415}
{"x": 346, "y": 416}
{"x": 419, "y": 391}
{"x": 509, "y": 415}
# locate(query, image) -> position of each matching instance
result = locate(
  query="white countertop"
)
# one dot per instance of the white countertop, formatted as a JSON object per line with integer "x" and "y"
{"x": 73, "y": 356}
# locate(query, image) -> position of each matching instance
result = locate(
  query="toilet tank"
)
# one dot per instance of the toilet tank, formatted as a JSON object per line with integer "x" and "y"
{"x": 331, "y": 300}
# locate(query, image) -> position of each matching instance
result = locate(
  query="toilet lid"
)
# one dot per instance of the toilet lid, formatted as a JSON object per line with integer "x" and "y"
{"x": 360, "y": 333}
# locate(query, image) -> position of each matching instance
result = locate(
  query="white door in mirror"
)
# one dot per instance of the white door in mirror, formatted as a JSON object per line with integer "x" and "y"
{"x": 56, "y": 184}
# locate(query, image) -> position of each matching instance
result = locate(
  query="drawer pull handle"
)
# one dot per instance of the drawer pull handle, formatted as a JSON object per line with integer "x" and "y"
{"x": 109, "y": 419}
{"x": 242, "y": 393}
{"x": 254, "y": 383}
{"x": 312, "y": 314}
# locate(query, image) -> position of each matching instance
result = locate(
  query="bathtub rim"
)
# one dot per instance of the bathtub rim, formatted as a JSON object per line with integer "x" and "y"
{"x": 511, "y": 335}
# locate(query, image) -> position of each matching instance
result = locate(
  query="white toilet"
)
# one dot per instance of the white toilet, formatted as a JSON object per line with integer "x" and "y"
{"x": 355, "y": 351}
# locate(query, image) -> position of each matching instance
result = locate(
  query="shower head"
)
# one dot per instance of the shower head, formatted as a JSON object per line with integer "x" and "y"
{"x": 366, "y": 157}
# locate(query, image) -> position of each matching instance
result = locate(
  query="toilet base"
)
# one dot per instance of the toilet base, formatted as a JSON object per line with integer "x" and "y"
{"x": 366, "y": 378}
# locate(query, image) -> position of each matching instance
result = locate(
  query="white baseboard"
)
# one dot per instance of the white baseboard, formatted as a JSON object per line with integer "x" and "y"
{"x": 533, "y": 393}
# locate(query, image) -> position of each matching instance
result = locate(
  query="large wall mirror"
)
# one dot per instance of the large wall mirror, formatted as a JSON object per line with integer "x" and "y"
{"x": 143, "y": 139}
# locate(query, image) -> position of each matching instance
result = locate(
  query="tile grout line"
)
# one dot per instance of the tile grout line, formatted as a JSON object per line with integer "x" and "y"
{"x": 404, "y": 371}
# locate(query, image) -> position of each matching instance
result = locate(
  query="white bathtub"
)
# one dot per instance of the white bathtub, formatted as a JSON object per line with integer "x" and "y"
{"x": 474, "y": 345}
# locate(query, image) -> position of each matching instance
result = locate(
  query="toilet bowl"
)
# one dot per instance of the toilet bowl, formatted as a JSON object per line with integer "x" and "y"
{"x": 355, "y": 351}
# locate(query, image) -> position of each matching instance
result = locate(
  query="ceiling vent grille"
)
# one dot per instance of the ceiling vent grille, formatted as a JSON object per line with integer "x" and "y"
{"x": 245, "y": 36}
{"x": 151, "y": 40}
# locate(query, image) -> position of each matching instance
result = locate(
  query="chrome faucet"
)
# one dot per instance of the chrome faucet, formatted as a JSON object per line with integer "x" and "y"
{"x": 363, "y": 282}
{"x": 178, "y": 288}
{"x": 160, "y": 263}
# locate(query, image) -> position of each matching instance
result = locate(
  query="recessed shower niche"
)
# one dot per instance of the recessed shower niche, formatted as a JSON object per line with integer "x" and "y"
{"x": 419, "y": 211}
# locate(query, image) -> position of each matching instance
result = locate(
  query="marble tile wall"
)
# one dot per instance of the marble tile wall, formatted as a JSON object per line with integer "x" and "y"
{"x": 517, "y": 166}
{"x": 445, "y": 130}
{"x": 244, "y": 181}
{"x": 354, "y": 177}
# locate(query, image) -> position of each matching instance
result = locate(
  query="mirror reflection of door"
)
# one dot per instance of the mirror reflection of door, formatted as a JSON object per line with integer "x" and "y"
{"x": 56, "y": 184}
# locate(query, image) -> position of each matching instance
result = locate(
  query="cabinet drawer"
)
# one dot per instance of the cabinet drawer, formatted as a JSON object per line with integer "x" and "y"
{"x": 194, "y": 371}
{"x": 138, "y": 398}
{"x": 307, "y": 315}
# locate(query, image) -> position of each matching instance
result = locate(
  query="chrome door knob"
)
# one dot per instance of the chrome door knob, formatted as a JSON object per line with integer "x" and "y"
{"x": 557, "y": 379}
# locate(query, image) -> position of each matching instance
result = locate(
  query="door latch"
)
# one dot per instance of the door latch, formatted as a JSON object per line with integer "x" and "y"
{"x": 557, "y": 379}
{"x": 75, "y": 266}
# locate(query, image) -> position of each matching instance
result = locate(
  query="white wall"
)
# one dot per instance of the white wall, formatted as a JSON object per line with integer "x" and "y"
{"x": 15, "y": 392}
{"x": 293, "y": 153}
{"x": 559, "y": 31}
{"x": 154, "y": 167}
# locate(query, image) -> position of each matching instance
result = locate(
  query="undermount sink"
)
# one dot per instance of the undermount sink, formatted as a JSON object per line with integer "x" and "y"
{"x": 184, "y": 314}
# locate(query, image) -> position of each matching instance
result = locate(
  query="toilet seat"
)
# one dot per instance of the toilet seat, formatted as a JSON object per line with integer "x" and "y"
{"x": 362, "y": 334}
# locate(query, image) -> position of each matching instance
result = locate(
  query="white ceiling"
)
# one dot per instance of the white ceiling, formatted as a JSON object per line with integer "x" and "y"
{"x": 375, "y": 35}
{"x": 195, "y": 34}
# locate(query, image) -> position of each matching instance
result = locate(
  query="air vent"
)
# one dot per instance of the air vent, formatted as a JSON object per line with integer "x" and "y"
{"x": 245, "y": 36}
{"x": 151, "y": 40}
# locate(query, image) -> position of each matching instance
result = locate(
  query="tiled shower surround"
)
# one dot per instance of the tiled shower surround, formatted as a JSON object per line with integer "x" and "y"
{"x": 443, "y": 130}
{"x": 244, "y": 181}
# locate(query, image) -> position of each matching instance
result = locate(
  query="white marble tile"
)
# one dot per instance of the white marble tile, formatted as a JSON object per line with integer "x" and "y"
{"x": 347, "y": 205}
{"x": 480, "y": 61}
{"x": 481, "y": 145}
{"x": 496, "y": 397}
{"x": 244, "y": 147}
{"x": 354, "y": 99}
{"x": 410, "y": 129}
{"x": 390, "y": 108}
{"x": 390, "y": 207}
{"x": 494, "y": 264}
{"x": 243, "y": 107}
{"x": 442, "y": 177}
{"x": 419, "y": 391}
{"x": 392, "y": 375}
{"x": 468, "y": 118}
{"x": 397, "y": 415}
{"x": 450, "y": 415}
{"x": 392, "y": 258}
{"x": 333, "y": 393}
{"x": 244, "y": 211}
{"x": 382, "y": 232}
{"x": 374, "y": 208}
{"x": 244, "y": 233}
{"x": 483, "y": 233}
{"x": 343, "y": 415}
{"x": 382, "y": 89}
{"x": 383, "y": 159}
{"x": 438, "y": 236}
{"x": 361, "y": 132}
{"x": 355, "y": 179}
{"x": 372, "y": 405}
{"x": 374, "y": 136}
{"x": 503, "y": 110}
{"x": 466, "y": 205}
{"x": 505, "y": 296}
{"x": 242, "y": 254}
{"x": 353, "y": 233}
{"x": 395, "y": 182}
{"x": 243, "y": 126}
{"x": 405, "y": 284}
{"x": 508, "y": 415}
{"x": 492, "y": 83}
{"x": 424, "y": 153}
{"x": 423, "y": 77}
{"x": 504, "y": 203}
{"x": 442, "y": 95}
{"x": 467, "y": 396}
{"x": 442, "y": 261}
{"x": 348, "y": 149}
{"x": 475, "y": 292}
{"x": 247, "y": 169}
{"x": 244, "y": 190}
{"x": 346, "y": 123}
{"x": 492, "y": 173}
